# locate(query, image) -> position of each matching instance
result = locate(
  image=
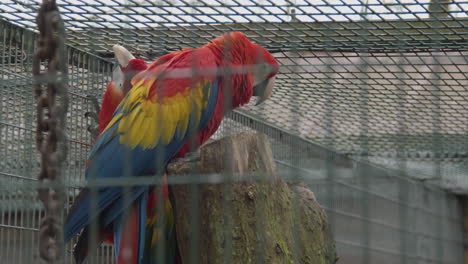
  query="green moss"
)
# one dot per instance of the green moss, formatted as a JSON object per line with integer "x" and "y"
{"x": 272, "y": 220}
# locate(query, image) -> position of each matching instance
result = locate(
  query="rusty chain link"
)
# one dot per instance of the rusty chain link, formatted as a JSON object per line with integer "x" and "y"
{"x": 50, "y": 137}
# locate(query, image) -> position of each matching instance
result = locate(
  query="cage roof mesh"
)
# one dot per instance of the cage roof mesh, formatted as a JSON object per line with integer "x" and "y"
{"x": 380, "y": 78}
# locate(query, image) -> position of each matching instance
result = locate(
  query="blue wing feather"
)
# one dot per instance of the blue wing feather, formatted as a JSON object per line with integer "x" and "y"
{"x": 142, "y": 226}
{"x": 118, "y": 226}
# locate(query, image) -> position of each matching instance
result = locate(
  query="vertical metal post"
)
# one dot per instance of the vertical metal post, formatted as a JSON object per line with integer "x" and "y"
{"x": 50, "y": 137}
{"x": 403, "y": 188}
{"x": 365, "y": 177}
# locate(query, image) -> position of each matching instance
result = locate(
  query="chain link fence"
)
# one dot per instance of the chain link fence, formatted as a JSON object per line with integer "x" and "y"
{"x": 369, "y": 110}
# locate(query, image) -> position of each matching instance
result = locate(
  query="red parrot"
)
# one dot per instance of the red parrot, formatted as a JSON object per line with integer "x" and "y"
{"x": 178, "y": 100}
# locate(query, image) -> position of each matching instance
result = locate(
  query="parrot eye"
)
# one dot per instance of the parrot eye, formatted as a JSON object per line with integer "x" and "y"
{"x": 261, "y": 69}
{"x": 264, "y": 69}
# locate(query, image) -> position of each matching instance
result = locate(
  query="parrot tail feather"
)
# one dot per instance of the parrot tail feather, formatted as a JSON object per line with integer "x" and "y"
{"x": 160, "y": 229}
{"x": 129, "y": 235}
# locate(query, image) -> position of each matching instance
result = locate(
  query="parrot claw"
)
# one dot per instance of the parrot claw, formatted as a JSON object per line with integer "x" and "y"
{"x": 94, "y": 102}
{"x": 93, "y": 130}
{"x": 189, "y": 157}
{"x": 92, "y": 115}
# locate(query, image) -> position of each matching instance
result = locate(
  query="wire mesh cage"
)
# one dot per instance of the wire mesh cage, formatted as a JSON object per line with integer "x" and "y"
{"x": 369, "y": 110}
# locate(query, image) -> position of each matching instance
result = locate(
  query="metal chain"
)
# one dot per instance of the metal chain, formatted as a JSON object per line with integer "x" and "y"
{"x": 50, "y": 137}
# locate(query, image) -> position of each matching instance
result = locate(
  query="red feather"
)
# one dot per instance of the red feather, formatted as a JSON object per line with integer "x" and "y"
{"x": 113, "y": 95}
{"x": 129, "y": 241}
{"x": 241, "y": 84}
{"x": 111, "y": 99}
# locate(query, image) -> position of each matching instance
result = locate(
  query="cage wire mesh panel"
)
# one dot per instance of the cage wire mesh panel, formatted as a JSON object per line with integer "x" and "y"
{"x": 20, "y": 162}
{"x": 370, "y": 109}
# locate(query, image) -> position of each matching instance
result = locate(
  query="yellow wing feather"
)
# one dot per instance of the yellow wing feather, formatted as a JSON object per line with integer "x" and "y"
{"x": 146, "y": 121}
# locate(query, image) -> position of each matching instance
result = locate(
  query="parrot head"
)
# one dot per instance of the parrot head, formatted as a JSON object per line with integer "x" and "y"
{"x": 128, "y": 66}
{"x": 258, "y": 66}
{"x": 265, "y": 73}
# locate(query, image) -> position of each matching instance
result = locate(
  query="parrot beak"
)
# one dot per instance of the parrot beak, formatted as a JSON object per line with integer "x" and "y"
{"x": 123, "y": 55}
{"x": 263, "y": 90}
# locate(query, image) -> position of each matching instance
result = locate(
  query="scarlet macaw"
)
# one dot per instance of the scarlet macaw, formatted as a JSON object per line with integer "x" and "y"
{"x": 117, "y": 88}
{"x": 180, "y": 98}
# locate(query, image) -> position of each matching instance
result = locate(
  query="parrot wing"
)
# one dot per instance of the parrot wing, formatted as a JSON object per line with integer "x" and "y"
{"x": 150, "y": 125}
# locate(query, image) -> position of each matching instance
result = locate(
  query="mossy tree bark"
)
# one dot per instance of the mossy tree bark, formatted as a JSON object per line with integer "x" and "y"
{"x": 264, "y": 220}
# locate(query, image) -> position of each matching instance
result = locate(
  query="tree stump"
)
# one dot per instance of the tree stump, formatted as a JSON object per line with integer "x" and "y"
{"x": 250, "y": 220}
